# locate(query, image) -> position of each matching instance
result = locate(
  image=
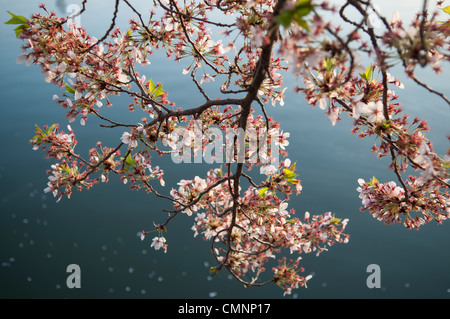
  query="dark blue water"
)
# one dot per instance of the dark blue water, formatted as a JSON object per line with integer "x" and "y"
{"x": 97, "y": 229}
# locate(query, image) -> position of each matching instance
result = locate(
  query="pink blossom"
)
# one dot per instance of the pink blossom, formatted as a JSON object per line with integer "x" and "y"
{"x": 159, "y": 242}
{"x": 129, "y": 139}
{"x": 375, "y": 111}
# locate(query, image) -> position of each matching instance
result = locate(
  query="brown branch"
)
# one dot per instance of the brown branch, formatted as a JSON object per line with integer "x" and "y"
{"x": 79, "y": 13}
{"x": 194, "y": 111}
{"x": 93, "y": 168}
{"x": 430, "y": 89}
{"x": 218, "y": 24}
{"x": 199, "y": 87}
{"x": 113, "y": 23}
{"x": 260, "y": 75}
{"x": 422, "y": 27}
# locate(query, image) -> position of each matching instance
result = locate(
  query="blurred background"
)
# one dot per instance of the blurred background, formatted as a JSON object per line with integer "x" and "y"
{"x": 98, "y": 229}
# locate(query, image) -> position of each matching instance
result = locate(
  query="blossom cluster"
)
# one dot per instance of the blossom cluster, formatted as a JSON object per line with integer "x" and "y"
{"x": 422, "y": 43}
{"x": 387, "y": 202}
{"x": 261, "y": 225}
{"x": 334, "y": 81}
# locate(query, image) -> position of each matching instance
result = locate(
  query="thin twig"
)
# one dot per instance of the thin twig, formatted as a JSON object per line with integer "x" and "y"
{"x": 113, "y": 23}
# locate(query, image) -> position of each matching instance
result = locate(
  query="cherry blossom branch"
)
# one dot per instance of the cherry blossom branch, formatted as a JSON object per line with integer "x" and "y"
{"x": 188, "y": 17}
{"x": 194, "y": 111}
{"x": 186, "y": 34}
{"x": 93, "y": 168}
{"x": 149, "y": 32}
{"x": 199, "y": 87}
{"x": 380, "y": 57}
{"x": 201, "y": 194}
{"x": 113, "y": 123}
{"x": 259, "y": 77}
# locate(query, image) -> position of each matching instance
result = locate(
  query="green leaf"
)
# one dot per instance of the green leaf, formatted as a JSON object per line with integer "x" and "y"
{"x": 335, "y": 221}
{"x": 302, "y": 10}
{"x": 20, "y": 20}
{"x": 302, "y": 23}
{"x": 69, "y": 89}
{"x": 159, "y": 91}
{"x": 39, "y": 134}
{"x": 213, "y": 270}
{"x": 39, "y": 130}
{"x": 292, "y": 167}
{"x": 289, "y": 175}
{"x": 284, "y": 18}
{"x": 19, "y": 29}
{"x": 328, "y": 64}
{"x": 303, "y": 2}
{"x": 385, "y": 125}
{"x": 151, "y": 85}
{"x": 129, "y": 160}
{"x": 155, "y": 90}
{"x": 16, "y": 19}
{"x": 373, "y": 182}
{"x": 262, "y": 191}
{"x": 50, "y": 129}
{"x": 368, "y": 74}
